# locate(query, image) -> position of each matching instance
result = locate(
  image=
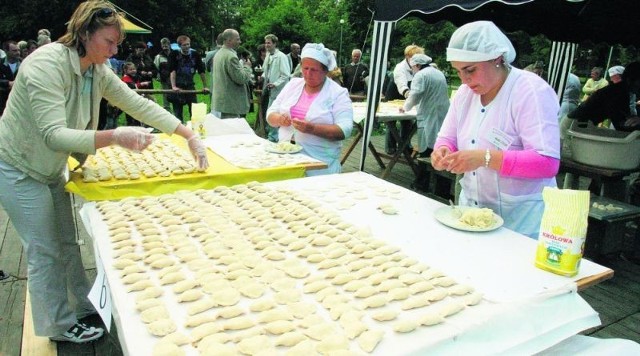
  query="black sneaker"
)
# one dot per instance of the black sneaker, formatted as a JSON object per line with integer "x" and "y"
{"x": 79, "y": 334}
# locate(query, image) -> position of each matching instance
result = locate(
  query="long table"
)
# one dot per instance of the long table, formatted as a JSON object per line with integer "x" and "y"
{"x": 388, "y": 113}
{"x": 220, "y": 172}
{"x": 524, "y": 309}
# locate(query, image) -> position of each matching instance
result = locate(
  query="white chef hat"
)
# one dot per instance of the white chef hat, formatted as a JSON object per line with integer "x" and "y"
{"x": 616, "y": 70}
{"x": 420, "y": 59}
{"x": 321, "y": 54}
{"x": 479, "y": 41}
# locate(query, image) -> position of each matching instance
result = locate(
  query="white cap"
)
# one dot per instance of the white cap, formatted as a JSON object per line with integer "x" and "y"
{"x": 321, "y": 54}
{"x": 479, "y": 41}
{"x": 616, "y": 70}
{"x": 420, "y": 59}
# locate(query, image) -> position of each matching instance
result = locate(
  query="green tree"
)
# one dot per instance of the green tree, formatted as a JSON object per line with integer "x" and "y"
{"x": 288, "y": 19}
{"x": 434, "y": 38}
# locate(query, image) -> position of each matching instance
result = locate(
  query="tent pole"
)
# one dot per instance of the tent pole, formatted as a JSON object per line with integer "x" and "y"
{"x": 125, "y": 11}
{"x": 606, "y": 69}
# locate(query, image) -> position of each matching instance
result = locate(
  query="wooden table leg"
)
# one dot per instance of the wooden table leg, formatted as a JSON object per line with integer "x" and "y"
{"x": 376, "y": 155}
{"x": 354, "y": 143}
{"x": 403, "y": 149}
{"x": 352, "y": 146}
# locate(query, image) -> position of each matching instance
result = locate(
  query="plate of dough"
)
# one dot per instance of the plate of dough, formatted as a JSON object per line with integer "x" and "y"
{"x": 283, "y": 147}
{"x": 469, "y": 218}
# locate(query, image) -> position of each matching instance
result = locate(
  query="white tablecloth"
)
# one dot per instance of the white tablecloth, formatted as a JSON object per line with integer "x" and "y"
{"x": 525, "y": 310}
{"x": 387, "y": 111}
{"x": 250, "y": 151}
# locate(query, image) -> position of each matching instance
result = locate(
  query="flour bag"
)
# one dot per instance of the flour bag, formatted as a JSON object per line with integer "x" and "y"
{"x": 563, "y": 230}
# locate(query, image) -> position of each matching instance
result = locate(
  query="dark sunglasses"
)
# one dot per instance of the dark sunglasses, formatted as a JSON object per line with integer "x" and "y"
{"x": 103, "y": 13}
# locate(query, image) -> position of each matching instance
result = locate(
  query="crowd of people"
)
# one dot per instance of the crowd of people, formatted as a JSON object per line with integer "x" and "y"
{"x": 12, "y": 54}
{"x": 500, "y": 130}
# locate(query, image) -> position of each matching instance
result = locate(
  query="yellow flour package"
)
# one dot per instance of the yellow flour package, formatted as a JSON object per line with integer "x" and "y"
{"x": 563, "y": 230}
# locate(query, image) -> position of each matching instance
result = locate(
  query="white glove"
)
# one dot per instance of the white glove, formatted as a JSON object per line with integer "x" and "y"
{"x": 199, "y": 152}
{"x": 132, "y": 137}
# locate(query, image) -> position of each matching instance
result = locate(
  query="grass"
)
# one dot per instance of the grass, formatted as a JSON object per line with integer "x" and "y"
{"x": 202, "y": 98}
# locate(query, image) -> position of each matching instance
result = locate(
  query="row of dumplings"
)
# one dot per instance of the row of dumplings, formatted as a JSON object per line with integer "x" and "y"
{"x": 162, "y": 158}
{"x": 252, "y": 243}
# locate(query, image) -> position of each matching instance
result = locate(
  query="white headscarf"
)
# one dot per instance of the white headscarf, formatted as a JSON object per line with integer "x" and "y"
{"x": 479, "y": 41}
{"x": 616, "y": 70}
{"x": 420, "y": 58}
{"x": 321, "y": 54}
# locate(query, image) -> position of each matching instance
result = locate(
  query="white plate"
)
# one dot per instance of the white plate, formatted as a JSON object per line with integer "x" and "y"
{"x": 445, "y": 216}
{"x": 274, "y": 149}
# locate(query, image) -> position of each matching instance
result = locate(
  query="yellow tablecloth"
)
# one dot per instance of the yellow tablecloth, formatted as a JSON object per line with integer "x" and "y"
{"x": 220, "y": 172}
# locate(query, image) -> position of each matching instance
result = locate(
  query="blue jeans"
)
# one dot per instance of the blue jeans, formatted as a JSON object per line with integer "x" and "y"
{"x": 42, "y": 216}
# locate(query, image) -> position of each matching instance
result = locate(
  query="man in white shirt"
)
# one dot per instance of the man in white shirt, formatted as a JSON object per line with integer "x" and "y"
{"x": 276, "y": 75}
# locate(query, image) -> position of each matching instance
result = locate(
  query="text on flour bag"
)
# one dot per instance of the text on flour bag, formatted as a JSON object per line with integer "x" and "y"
{"x": 563, "y": 230}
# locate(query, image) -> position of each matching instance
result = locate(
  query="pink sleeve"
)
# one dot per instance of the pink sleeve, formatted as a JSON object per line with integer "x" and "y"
{"x": 446, "y": 143}
{"x": 528, "y": 164}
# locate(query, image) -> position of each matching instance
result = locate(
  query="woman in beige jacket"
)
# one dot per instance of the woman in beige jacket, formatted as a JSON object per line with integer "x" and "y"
{"x": 51, "y": 113}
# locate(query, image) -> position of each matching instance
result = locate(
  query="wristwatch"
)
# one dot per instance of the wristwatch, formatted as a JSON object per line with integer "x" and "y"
{"x": 487, "y": 158}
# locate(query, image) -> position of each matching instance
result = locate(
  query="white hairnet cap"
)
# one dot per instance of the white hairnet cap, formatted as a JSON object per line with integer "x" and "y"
{"x": 616, "y": 70}
{"x": 321, "y": 54}
{"x": 479, "y": 41}
{"x": 420, "y": 58}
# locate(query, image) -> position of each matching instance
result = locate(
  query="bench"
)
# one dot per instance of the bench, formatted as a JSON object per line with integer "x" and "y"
{"x": 606, "y": 230}
{"x": 33, "y": 345}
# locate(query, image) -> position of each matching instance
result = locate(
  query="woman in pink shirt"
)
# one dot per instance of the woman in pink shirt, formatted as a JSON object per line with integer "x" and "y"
{"x": 501, "y": 130}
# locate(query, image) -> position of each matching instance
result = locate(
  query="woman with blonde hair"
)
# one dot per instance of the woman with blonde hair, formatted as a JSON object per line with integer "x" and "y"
{"x": 53, "y": 112}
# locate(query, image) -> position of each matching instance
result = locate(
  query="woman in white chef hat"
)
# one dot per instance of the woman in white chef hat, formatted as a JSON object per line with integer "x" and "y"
{"x": 314, "y": 111}
{"x": 501, "y": 129}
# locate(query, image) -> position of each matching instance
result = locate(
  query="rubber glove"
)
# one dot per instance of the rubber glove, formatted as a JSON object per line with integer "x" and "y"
{"x": 199, "y": 152}
{"x": 132, "y": 137}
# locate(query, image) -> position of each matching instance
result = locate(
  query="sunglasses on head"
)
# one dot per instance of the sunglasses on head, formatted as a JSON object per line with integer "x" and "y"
{"x": 104, "y": 13}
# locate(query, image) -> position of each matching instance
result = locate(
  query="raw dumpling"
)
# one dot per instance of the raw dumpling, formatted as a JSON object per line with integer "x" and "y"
{"x": 166, "y": 348}
{"x": 290, "y": 339}
{"x": 161, "y": 327}
{"x": 369, "y": 339}
{"x": 254, "y": 344}
{"x": 190, "y": 295}
{"x": 238, "y": 323}
{"x": 279, "y": 327}
{"x": 155, "y": 313}
{"x": 385, "y": 315}
{"x": 405, "y": 326}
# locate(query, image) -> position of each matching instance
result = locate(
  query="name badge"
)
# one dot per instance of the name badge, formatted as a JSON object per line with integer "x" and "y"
{"x": 499, "y": 139}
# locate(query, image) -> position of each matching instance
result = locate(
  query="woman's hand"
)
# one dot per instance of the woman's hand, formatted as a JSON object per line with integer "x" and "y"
{"x": 132, "y": 137}
{"x": 438, "y": 158}
{"x": 464, "y": 161}
{"x": 278, "y": 119}
{"x": 199, "y": 152}
{"x": 303, "y": 126}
